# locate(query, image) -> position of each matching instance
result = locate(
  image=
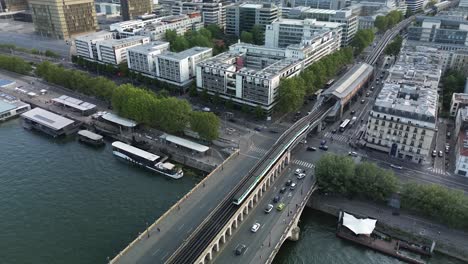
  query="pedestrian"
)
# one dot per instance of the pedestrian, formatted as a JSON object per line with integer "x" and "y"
{"x": 159, "y": 230}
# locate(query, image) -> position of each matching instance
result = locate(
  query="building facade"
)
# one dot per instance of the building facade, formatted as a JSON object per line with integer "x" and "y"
{"x": 63, "y": 19}
{"x": 440, "y": 29}
{"x": 459, "y": 100}
{"x": 131, "y": 9}
{"x": 285, "y": 32}
{"x": 242, "y": 17}
{"x": 13, "y": 5}
{"x": 461, "y": 147}
{"x": 415, "y": 5}
{"x": 250, "y": 75}
{"x": 144, "y": 59}
{"x": 114, "y": 51}
{"x": 321, "y": 4}
{"x": 86, "y": 44}
{"x": 403, "y": 119}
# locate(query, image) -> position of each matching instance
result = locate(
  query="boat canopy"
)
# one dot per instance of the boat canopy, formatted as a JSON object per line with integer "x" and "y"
{"x": 359, "y": 226}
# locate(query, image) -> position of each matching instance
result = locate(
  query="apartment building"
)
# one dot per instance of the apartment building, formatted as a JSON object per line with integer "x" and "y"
{"x": 114, "y": 51}
{"x": 63, "y": 19}
{"x": 459, "y": 101}
{"x": 461, "y": 146}
{"x": 13, "y": 5}
{"x": 321, "y": 4}
{"x": 157, "y": 27}
{"x": 250, "y": 75}
{"x": 86, "y": 44}
{"x": 415, "y": 5}
{"x": 348, "y": 20}
{"x": 285, "y": 32}
{"x": 144, "y": 59}
{"x": 242, "y": 17}
{"x": 403, "y": 120}
{"x": 132, "y": 9}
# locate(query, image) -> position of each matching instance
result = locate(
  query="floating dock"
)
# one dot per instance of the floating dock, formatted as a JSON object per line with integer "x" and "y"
{"x": 90, "y": 138}
{"x": 48, "y": 122}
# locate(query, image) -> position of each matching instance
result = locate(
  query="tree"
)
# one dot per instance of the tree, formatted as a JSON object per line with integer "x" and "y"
{"x": 394, "y": 48}
{"x": 258, "y": 35}
{"x": 291, "y": 94}
{"x": 206, "y": 124}
{"x": 381, "y": 23}
{"x": 170, "y": 36}
{"x": 172, "y": 114}
{"x": 216, "y": 31}
{"x": 334, "y": 173}
{"x": 362, "y": 39}
{"x": 15, "y": 64}
{"x": 246, "y": 37}
{"x": 51, "y": 54}
{"x": 259, "y": 112}
{"x": 179, "y": 44}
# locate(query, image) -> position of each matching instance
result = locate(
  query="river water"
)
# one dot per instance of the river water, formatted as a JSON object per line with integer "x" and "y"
{"x": 64, "y": 202}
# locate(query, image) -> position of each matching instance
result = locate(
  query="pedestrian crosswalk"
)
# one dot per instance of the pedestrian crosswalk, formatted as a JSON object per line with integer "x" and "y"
{"x": 303, "y": 163}
{"x": 437, "y": 170}
{"x": 257, "y": 149}
{"x": 337, "y": 137}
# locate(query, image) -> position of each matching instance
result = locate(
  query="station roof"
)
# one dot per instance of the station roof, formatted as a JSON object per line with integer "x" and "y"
{"x": 89, "y": 134}
{"x": 4, "y": 106}
{"x": 47, "y": 118}
{"x": 185, "y": 143}
{"x": 351, "y": 80}
{"x": 119, "y": 120}
{"x": 74, "y": 103}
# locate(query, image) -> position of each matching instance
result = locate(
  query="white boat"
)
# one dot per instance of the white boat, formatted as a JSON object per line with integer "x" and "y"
{"x": 146, "y": 160}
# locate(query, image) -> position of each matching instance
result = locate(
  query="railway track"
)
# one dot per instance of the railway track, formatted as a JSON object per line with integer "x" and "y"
{"x": 204, "y": 235}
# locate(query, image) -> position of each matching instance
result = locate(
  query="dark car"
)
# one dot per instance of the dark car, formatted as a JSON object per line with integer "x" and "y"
{"x": 274, "y": 131}
{"x": 240, "y": 249}
{"x": 311, "y": 149}
{"x": 232, "y": 120}
{"x": 283, "y": 190}
{"x": 353, "y": 112}
{"x": 334, "y": 131}
{"x": 276, "y": 199}
{"x": 258, "y": 129}
{"x": 323, "y": 142}
{"x": 288, "y": 182}
{"x": 324, "y": 147}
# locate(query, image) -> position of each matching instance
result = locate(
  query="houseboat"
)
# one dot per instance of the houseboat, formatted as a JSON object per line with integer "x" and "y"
{"x": 146, "y": 160}
{"x": 90, "y": 138}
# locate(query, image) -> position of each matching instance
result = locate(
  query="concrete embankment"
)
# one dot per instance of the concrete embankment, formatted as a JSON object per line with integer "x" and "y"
{"x": 406, "y": 226}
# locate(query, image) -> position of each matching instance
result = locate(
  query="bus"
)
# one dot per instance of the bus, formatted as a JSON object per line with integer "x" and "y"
{"x": 344, "y": 125}
{"x": 330, "y": 82}
{"x": 318, "y": 93}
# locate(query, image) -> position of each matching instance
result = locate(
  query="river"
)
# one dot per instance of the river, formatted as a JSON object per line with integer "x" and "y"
{"x": 64, "y": 202}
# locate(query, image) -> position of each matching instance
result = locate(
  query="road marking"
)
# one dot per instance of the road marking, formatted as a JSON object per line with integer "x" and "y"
{"x": 180, "y": 227}
{"x": 250, "y": 156}
{"x": 303, "y": 163}
{"x": 154, "y": 253}
{"x": 257, "y": 149}
{"x": 165, "y": 255}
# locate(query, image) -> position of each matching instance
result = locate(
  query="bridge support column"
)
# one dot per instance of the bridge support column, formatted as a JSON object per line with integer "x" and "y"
{"x": 223, "y": 239}
{"x": 216, "y": 247}
{"x": 319, "y": 127}
{"x": 294, "y": 233}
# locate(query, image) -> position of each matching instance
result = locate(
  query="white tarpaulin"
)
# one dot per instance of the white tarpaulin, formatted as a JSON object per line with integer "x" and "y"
{"x": 359, "y": 226}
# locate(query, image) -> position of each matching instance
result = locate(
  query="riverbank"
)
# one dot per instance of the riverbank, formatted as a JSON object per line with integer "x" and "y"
{"x": 406, "y": 226}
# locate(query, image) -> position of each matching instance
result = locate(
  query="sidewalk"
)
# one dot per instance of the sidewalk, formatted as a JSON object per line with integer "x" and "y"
{"x": 449, "y": 241}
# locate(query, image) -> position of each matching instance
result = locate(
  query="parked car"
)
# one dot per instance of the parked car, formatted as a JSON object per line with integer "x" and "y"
{"x": 447, "y": 149}
{"x": 434, "y": 153}
{"x": 353, "y": 112}
{"x": 367, "y": 94}
{"x": 334, "y": 131}
{"x": 288, "y": 183}
{"x": 255, "y": 227}
{"x": 268, "y": 208}
{"x": 240, "y": 249}
{"x": 311, "y": 148}
{"x": 441, "y": 153}
{"x": 259, "y": 129}
{"x": 274, "y": 131}
{"x": 448, "y": 134}
{"x": 363, "y": 101}
{"x": 352, "y": 153}
{"x": 323, "y": 142}
{"x": 298, "y": 171}
{"x": 396, "y": 166}
{"x": 283, "y": 190}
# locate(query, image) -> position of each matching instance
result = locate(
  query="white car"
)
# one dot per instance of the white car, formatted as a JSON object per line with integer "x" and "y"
{"x": 255, "y": 227}
{"x": 298, "y": 171}
{"x": 301, "y": 176}
{"x": 293, "y": 186}
{"x": 396, "y": 166}
{"x": 352, "y": 153}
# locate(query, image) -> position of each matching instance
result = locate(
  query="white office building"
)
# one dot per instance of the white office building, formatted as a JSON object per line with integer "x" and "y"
{"x": 154, "y": 60}
{"x": 114, "y": 51}
{"x": 250, "y": 75}
{"x": 86, "y": 44}
{"x": 144, "y": 59}
{"x": 285, "y": 32}
{"x": 403, "y": 119}
{"x": 461, "y": 147}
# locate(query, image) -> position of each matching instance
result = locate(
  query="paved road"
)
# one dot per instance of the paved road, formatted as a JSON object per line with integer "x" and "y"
{"x": 273, "y": 225}
{"x": 175, "y": 228}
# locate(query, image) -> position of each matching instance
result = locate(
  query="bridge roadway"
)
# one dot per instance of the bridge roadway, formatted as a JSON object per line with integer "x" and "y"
{"x": 203, "y": 236}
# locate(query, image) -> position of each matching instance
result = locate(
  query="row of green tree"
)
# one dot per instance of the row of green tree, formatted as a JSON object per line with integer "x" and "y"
{"x": 292, "y": 91}
{"x": 157, "y": 110}
{"x": 15, "y": 64}
{"x": 341, "y": 175}
{"x": 394, "y": 47}
{"x": 383, "y": 23}
{"x": 362, "y": 39}
{"x": 47, "y": 53}
{"x": 166, "y": 113}
{"x": 211, "y": 36}
{"x": 453, "y": 81}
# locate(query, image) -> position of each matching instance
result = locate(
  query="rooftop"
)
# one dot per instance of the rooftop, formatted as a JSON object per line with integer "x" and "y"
{"x": 5, "y": 107}
{"x": 117, "y": 42}
{"x": 185, "y": 143}
{"x": 463, "y": 142}
{"x": 350, "y": 80}
{"x": 94, "y": 35}
{"x": 4, "y": 83}
{"x": 184, "y": 54}
{"x": 74, "y": 103}
{"x": 139, "y": 152}
{"x": 150, "y": 47}
{"x": 89, "y": 134}
{"x": 47, "y": 118}
{"x": 119, "y": 120}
